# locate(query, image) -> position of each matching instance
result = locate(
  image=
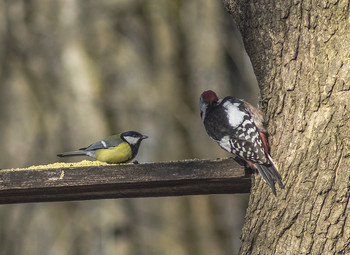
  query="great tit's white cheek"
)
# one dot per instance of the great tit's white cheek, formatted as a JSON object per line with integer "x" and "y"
{"x": 132, "y": 140}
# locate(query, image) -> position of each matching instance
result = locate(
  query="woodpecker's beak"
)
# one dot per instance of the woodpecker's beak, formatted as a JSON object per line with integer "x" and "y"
{"x": 144, "y": 137}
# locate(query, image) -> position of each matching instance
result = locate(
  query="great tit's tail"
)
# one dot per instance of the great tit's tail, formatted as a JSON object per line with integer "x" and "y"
{"x": 72, "y": 153}
{"x": 270, "y": 175}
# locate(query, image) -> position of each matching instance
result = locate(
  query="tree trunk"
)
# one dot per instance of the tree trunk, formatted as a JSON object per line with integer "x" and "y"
{"x": 300, "y": 54}
{"x": 73, "y": 72}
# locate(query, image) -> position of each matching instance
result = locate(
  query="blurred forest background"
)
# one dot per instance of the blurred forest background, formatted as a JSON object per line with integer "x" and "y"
{"x": 73, "y": 72}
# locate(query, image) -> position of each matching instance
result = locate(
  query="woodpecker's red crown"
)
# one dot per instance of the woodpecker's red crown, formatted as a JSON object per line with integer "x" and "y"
{"x": 209, "y": 96}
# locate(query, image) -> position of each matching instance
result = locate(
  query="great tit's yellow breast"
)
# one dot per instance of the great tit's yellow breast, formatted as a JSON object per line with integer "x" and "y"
{"x": 119, "y": 154}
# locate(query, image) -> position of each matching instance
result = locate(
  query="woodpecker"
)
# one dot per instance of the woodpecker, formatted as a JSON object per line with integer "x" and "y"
{"x": 239, "y": 128}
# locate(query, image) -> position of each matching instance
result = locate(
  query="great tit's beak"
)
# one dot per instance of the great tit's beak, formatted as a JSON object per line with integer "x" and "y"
{"x": 144, "y": 137}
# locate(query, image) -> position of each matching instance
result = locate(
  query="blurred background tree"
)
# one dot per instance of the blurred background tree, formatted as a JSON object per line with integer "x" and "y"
{"x": 74, "y": 72}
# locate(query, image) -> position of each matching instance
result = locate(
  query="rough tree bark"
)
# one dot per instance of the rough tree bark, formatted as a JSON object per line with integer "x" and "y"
{"x": 301, "y": 56}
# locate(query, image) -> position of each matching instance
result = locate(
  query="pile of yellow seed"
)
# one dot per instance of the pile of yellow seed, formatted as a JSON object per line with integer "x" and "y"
{"x": 62, "y": 165}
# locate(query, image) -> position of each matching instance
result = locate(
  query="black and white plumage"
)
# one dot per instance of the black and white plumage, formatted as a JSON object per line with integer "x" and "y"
{"x": 238, "y": 127}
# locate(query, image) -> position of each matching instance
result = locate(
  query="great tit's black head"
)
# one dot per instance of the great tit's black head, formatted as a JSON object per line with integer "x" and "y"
{"x": 133, "y": 137}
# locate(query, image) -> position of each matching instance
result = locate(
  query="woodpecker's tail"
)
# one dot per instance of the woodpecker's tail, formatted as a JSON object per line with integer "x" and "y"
{"x": 270, "y": 175}
{"x": 72, "y": 153}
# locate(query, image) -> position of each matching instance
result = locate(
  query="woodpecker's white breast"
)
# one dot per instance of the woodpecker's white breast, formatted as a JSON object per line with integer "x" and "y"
{"x": 234, "y": 114}
{"x": 225, "y": 143}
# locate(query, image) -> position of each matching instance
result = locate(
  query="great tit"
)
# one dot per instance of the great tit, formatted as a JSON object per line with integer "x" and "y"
{"x": 120, "y": 148}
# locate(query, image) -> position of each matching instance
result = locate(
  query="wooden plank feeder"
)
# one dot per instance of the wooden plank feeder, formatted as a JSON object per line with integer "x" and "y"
{"x": 178, "y": 178}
